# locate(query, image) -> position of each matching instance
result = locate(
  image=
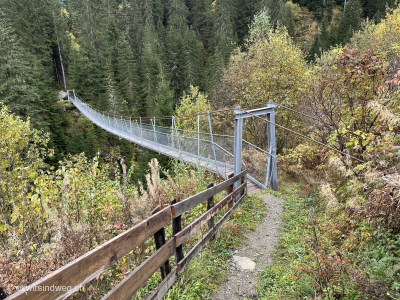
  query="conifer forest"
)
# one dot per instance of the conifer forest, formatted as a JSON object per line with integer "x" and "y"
{"x": 67, "y": 186}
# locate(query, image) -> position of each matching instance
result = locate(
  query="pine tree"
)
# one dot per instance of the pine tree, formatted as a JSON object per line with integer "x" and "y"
{"x": 223, "y": 31}
{"x": 184, "y": 52}
{"x": 150, "y": 61}
{"x": 350, "y": 21}
{"x": 244, "y": 12}
{"x": 323, "y": 41}
{"x": 17, "y": 85}
{"x": 163, "y": 100}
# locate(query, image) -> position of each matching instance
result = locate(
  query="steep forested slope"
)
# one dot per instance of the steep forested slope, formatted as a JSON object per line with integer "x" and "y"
{"x": 124, "y": 57}
{"x": 136, "y": 58}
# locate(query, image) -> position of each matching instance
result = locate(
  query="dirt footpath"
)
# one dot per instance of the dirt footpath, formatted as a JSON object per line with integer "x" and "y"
{"x": 254, "y": 255}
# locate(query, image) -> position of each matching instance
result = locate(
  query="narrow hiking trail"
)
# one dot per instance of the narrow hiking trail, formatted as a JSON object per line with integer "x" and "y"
{"x": 253, "y": 255}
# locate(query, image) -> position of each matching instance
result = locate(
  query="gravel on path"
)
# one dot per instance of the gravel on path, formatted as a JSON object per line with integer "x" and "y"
{"x": 258, "y": 246}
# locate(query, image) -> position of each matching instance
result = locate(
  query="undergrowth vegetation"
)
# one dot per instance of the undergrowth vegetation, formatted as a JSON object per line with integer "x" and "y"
{"x": 341, "y": 239}
{"x": 50, "y": 216}
{"x": 325, "y": 254}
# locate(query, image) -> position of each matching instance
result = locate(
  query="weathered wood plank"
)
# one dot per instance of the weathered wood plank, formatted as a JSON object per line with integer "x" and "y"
{"x": 239, "y": 190}
{"x": 200, "y": 245}
{"x": 191, "y": 202}
{"x": 127, "y": 287}
{"x": 193, "y": 227}
{"x": 90, "y": 265}
{"x": 165, "y": 285}
{"x": 230, "y": 190}
{"x": 196, "y": 225}
{"x": 210, "y": 205}
{"x": 176, "y": 228}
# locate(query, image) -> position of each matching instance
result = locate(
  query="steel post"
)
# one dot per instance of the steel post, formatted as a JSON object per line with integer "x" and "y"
{"x": 141, "y": 134}
{"x": 212, "y": 143}
{"x": 198, "y": 135}
{"x": 237, "y": 151}
{"x": 176, "y": 132}
{"x": 272, "y": 147}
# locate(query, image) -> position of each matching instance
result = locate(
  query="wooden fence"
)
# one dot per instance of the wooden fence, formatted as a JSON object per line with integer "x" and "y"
{"x": 66, "y": 280}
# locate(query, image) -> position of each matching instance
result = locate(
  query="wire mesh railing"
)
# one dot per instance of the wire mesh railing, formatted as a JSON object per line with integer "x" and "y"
{"x": 211, "y": 151}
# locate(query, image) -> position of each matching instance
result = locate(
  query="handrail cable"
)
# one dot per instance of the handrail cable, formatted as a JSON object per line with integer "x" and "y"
{"x": 306, "y": 137}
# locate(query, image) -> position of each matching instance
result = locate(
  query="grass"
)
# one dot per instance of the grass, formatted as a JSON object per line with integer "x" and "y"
{"x": 324, "y": 254}
{"x": 280, "y": 280}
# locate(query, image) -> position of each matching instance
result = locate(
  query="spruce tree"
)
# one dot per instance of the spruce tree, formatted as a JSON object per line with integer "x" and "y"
{"x": 184, "y": 55}
{"x": 350, "y": 21}
{"x": 223, "y": 32}
{"x": 17, "y": 84}
{"x": 323, "y": 41}
{"x": 244, "y": 12}
{"x": 150, "y": 62}
{"x": 163, "y": 100}
{"x": 130, "y": 21}
{"x": 201, "y": 19}
{"x": 280, "y": 15}
{"x": 224, "y": 41}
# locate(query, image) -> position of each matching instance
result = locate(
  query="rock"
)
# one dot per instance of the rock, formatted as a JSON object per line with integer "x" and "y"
{"x": 63, "y": 95}
{"x": 244, "y": 262}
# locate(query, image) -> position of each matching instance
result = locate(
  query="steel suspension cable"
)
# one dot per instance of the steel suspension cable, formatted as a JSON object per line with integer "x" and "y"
{"x": 305, "y": 137}
{"x": 298, "y": 112}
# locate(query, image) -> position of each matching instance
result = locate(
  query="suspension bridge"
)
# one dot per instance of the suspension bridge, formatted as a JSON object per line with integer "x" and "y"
{"x": 220, "y": 154}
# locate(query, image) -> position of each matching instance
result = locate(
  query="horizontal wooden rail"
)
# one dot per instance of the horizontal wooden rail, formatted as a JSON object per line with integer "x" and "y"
{"x": 191, "y": 202}
{"x": 127, "y": 287}
{"x": 165, "y": 285}
{"x": 196, "y": 249}
{"x": 69, "y": 278}
{"x": 90, "y": 265}
{"x": 195, "y": 226}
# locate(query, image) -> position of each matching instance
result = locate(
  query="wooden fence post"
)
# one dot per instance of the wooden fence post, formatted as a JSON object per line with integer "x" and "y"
{"x": 159, "y": 238}
{"x": 230, "y": 190}
{"x": 176, "y": 227}
{"x": 244, "y": 190}
{"x": 210, "y": 204}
